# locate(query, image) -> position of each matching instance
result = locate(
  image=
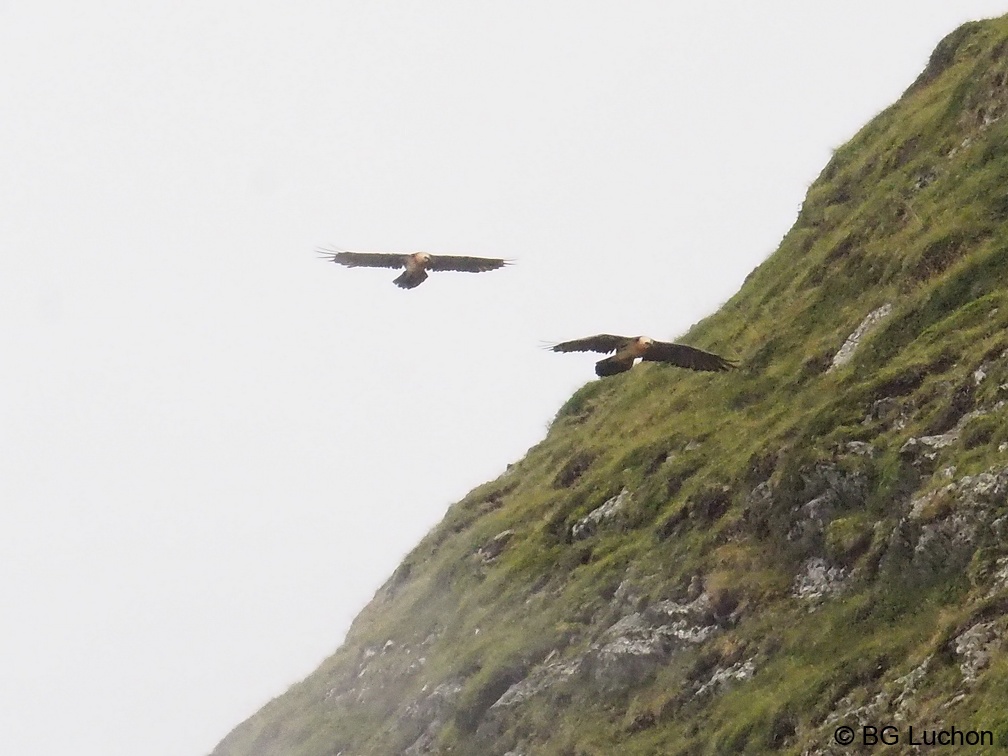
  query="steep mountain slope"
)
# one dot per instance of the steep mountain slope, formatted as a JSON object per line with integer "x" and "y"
{"x": 742, "y": 562}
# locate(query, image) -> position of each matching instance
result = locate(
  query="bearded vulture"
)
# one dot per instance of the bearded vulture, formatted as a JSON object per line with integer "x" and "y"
{"x": 629, "y": 348}
{"x": 416, "y": 264}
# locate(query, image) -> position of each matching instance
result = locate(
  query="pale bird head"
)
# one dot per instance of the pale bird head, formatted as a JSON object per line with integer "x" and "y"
{"x": 423, "y": 258}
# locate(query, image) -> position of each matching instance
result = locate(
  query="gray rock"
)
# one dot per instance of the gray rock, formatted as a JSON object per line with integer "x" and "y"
{"x": 723, "y": 677}
{"x": 1000, "y": 577}
{"x": 813, "y": 516}
{"x": 818, "y": 580}
{"x": 802, "y": 513}
{"x": 626, "y": 598}
{"x": 869, "y": 324}
{"x": 944, "y": 527}
{"x": 974, "y": 647}
{"x": 493, "y": 548}
{"x": 539, "y": 681}
{"x": 696, "y": 587}
{"x": 927, "y": 447}
{"x": 860, "y": 448}
{"x": 587, "y": 526}
{"x": 891, "y": 410}
{"x": 626, "y": 651}
{"x": 891, "y": 701}
{"x": 907, "y": 686}
{"x": 637, "y": 643}
{"x": 425, "y": 714}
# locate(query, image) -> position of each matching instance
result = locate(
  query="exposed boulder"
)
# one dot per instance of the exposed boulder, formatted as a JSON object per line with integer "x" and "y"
{"x": 540, "y": 680}
{"x": 883, "y": 701}
{"x": 627, "y": 651}
{"x": 588, "y": 525}
{"x": 819, "y": 580}
{"x": 860, "y": 448}
{"x": 493, "y": 548}
{"x": 925, "y": 448}
{"x": 812, "y": 517}
{"x": 1000, "y": 577}
{"x": 723, "y": 677}
{"x": 944, "y": 527}
{"x": 869, "y": 324}
{"x": 802, "y": 508}
{"x": 425, "y": 716}
{"x": 907, "y": 686}
{"x": 975, "y": 645}
{"x": 893, "y": 411}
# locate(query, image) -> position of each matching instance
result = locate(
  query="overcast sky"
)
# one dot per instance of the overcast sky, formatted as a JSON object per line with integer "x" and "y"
{"x": 214, "y": 447}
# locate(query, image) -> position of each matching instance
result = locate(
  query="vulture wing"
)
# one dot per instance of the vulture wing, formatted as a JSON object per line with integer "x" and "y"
{"x": 364, "y": 259}
{"x": 685, "y": 357}
{"x": 465, "y": 264}
{"x": 603, "y": 342}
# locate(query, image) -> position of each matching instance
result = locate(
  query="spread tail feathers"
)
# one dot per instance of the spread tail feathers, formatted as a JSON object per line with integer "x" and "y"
{"x": 612, "y": 366}
{"x": 411, "y": 279}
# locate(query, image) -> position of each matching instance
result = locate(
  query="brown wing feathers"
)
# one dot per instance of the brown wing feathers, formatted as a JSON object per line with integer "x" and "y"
{"x": 603, "y": 342}
{"x": 464, "y": 264}
{"x": 363, "y": 259}
{"x": 685, "y": 356}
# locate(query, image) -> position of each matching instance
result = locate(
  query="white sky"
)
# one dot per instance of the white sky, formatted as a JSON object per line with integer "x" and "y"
{"x": 213, "y": 446}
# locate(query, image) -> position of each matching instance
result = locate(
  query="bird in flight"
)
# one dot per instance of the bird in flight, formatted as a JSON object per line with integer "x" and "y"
{"x": 416, "y": 264}
{"x": 628, "y": 348}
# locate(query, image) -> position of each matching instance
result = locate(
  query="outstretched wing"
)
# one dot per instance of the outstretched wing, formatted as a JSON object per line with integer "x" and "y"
{"x": 363, "y": 259}
{"x": 685, "y": 357}
{"x": 603, "y": 342}
{"x": 465, "y": 264}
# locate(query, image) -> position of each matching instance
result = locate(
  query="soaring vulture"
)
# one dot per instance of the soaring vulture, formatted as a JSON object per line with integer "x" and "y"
{"x": 629, "y": 348}
{"x": 416, "y": 264}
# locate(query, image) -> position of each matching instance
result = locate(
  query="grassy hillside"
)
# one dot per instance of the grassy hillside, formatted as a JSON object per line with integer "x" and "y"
{"x": 787, "y": 548}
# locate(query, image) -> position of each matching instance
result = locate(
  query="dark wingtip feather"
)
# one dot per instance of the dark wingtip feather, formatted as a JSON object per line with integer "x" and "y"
{"x": 330, "y": 254}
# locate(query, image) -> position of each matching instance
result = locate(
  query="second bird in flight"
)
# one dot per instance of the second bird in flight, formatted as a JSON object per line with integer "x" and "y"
{"x": 416, "y": 264}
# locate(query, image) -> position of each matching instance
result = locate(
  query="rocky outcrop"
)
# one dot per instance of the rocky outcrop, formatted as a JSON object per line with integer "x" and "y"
{"x": 724, "y": 677}
{"x": 819, "y": 580}
{"x": 428, "y": 713}
{"x": 869, "y": 324}
{"x": 803, "y": 508}
{"x": 493, "y": 548}
{"x": 588, "y": 525}
{"x": 921, "y": 448}
{"x": 975, "y": 645}
{"x": 545, "y": 677}
{"x": 940, "y": 531}
{"x": 633, "y": 646}
{"x": 944, "y": 527}
{"x": 627, "y": 651}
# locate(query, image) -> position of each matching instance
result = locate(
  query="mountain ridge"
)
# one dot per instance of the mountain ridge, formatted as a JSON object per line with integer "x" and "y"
{"x": 740, "y": 562}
